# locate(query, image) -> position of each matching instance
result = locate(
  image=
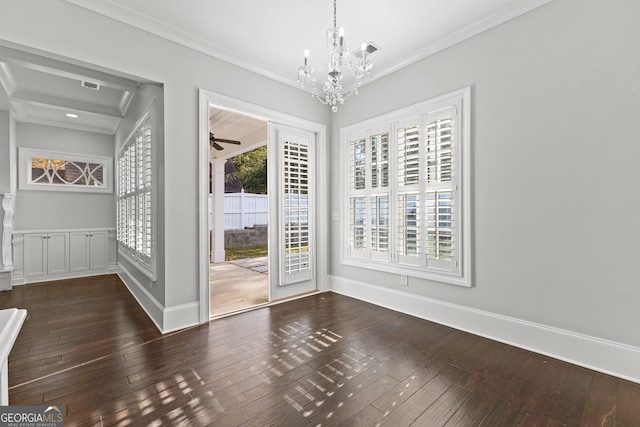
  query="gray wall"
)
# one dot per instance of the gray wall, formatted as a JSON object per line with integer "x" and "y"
{"x": 60, "y": 209}
{"x": 555, "y": 125}
{"x": 58, "y": 27}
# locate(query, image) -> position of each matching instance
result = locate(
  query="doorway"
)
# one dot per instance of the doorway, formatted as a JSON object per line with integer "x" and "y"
{"x": 238, "y": 212}
{"x": 297, "y": 230}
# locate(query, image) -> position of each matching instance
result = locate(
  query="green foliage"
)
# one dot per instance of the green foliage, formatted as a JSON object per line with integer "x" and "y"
{"x": 240, "y": 253}
{"x": 251, "y": 168}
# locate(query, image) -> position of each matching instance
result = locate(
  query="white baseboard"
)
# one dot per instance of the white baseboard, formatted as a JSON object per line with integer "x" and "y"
{"x": 601, "y": 355}
{"x": 149, "y": 304}
{"x": 181, "y": 316}
{"x": 166, "y": 319}
{"x": 21, "y": 280}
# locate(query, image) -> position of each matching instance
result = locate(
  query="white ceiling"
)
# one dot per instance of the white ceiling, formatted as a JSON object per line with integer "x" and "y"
{"x": 269, "y": 37}
{"x": 43, "y": 90}
{"x": 251, "y": 132}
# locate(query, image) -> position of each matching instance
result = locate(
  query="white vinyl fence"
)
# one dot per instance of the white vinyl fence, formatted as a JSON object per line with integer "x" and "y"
{"x": 242, "y": 210}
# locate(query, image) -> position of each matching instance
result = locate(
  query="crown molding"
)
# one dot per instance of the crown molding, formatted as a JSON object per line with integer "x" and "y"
{"x": 188, "y": 39}
{"x": 6, "y": 79}
{"x": 174, "y": 34}
{"x": 513, "y": 10}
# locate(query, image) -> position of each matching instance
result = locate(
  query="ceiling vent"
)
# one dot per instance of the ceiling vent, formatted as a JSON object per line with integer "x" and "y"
{"x": 370, "y": 47}
{"x": 90, "y": 85}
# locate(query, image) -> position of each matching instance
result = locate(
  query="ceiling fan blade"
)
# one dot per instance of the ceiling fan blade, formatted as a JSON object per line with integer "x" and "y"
{"x": 216, "y": 146}
{"x": 227, "y": 141}
{"x": 213, "y": 138}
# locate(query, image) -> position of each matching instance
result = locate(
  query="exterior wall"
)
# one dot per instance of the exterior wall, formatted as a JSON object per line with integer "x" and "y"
{"x": 246, "y": 238}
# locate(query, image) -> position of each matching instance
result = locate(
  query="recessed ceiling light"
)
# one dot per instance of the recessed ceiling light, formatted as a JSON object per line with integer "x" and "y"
{"x": 73, "y": 116}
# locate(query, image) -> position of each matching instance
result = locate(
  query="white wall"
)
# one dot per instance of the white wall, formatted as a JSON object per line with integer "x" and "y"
{"x": 58, "y": 27}
{"x": 556, "y": 204}
{"x": 44, "y": 210}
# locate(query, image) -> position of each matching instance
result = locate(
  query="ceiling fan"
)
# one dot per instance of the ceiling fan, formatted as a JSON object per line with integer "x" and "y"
{"x": 214, "y": 142}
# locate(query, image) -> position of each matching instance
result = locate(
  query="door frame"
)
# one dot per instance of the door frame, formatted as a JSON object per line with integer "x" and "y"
{"x": 207, "y": 99}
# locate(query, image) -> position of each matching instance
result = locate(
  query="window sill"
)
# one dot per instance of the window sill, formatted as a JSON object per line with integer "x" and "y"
{"x": 149, "y": 273}
{"x": 409, "y": 270}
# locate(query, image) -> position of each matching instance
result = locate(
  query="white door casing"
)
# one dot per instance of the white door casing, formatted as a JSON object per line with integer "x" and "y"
{"x": 321, "y": 227}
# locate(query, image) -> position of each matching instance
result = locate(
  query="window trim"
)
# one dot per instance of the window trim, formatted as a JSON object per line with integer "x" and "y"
{"x": 461, "y": 100}
{"x": 132, "y": 255}
{"x": 25, "y": 181}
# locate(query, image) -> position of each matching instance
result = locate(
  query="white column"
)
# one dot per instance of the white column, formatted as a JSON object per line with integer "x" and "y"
{"x": 8, "y": 202}
{"x": 243, "y": 210}
{"x": 217, "y": 238}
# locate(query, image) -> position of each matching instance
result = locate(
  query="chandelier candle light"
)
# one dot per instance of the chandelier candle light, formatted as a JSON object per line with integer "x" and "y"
{"x": 333, "y": 91}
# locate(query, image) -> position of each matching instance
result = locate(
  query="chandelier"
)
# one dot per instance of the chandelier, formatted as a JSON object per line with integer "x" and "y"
{"x": 333, "y": 92}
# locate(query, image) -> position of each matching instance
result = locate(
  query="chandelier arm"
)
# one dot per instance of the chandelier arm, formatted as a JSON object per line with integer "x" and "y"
{"x": 335, "y": 25}
{"x": 332, "y": 91}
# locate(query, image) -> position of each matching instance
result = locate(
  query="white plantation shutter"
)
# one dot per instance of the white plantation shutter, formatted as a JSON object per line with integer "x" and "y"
{"x": 409, "y": 199}
{"x": 143, "y": 169}
{"x": 380, "y": 224}
{"x": 379, "y": 160}
{"x": 119, "y": 203}
{"x": 296, "y": 209}
{"x": 440, "y": 189}
{"x": 358, "y": 220}
{"x": 379, "y": 208}
{"x": 357, "y": 217}
{"x": 409, "y": 154}
{"x": 406, "y": 209}
{"x": 369, "y": 208}
{"x": 135, "y": 189}
{"x": 358, "y": 164}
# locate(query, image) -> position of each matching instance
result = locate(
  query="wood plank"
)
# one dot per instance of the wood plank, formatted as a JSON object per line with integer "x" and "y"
{"x": 601, "y": 406}
{"x": 324, "y": 359}
{"x": 443, "y": 409}
{"x": 420, "y": 401}
{"x": 572, "y": 401}
{"x": 628, "y": 411}
{"x": 487, "y": 385}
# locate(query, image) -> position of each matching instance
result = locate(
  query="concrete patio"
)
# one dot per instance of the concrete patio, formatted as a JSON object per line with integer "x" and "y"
{"x": 238, "y": 285}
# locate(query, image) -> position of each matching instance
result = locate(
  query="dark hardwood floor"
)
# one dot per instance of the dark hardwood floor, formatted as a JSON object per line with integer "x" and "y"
{"x": 321, "y": 360}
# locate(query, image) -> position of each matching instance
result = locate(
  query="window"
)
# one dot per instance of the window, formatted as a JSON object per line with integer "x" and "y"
{"x": 407, "y": 206}
{"x": 55, "y": 171}
{"x": 135, "y": 222}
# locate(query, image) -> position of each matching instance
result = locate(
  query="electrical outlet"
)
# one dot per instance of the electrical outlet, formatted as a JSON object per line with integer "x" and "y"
{"x": 404, "y": 280}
